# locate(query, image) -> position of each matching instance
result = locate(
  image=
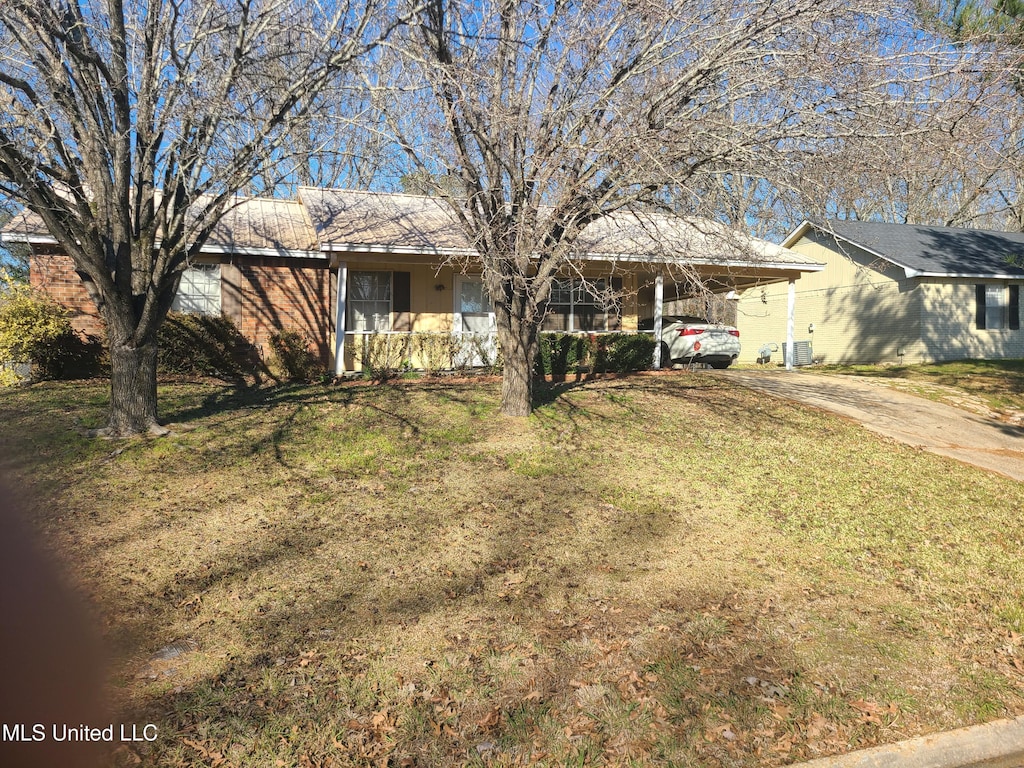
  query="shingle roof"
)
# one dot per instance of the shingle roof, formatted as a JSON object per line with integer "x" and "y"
{"x": 940, "y": 251}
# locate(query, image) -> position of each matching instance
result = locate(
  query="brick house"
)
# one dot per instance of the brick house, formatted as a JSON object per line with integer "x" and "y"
{"x": 406, "y": 269}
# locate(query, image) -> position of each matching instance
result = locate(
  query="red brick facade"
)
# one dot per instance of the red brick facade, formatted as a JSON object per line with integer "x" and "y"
{"x": 55, "y": 275}
{"x": 264, "y": 295}
{"x": 261, "y": 295}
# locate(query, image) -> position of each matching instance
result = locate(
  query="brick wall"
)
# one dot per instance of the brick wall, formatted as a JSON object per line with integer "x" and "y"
{"x": 281, "y": 294}
{"x": 55, "y": 275}
{"x": 261, "y": 295}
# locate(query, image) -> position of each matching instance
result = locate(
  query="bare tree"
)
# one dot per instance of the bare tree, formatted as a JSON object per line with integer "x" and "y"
{"x": 130, "y": 126}
{"x": 554, "y": 115}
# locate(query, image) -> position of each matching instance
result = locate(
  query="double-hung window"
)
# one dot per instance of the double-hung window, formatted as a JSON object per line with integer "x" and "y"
{"x": 369, "y": 301}
{"x": 199, "y": 290}
{"x": 575, "y": 305}
{"x": 997, "y": 307}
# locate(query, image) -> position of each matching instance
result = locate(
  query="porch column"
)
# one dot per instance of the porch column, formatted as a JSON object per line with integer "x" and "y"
{"x": 790, "y": 322}
{"x": 339, "y": 320}
{"x": 659, "y": 298}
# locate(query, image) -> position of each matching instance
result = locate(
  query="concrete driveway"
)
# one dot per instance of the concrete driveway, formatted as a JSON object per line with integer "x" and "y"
{"x": 969, "y": 437}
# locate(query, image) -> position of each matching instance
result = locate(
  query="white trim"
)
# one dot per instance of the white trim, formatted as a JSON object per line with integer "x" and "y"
{"x": 659, "y": 298}
{"x": 397, "y": 250}
{"x": 14, "y": 237}
{"x": 408, "y": 250}
{"x": 790, "y": 324}
{"x": 339, "y": 320}
{"x": 963, "y": 276}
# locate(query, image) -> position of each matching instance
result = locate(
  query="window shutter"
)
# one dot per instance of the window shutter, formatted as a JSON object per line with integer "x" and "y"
{"x": 1014, "y": 307}
{"x": 401, "y": 300}
{"x": 979, "y": 306}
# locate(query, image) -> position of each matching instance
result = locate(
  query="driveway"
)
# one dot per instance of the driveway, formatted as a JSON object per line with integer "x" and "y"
{"x": 969, "y": 437}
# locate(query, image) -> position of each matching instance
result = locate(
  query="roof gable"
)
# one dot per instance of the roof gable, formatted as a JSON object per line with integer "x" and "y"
{"x": 935, "y": 251}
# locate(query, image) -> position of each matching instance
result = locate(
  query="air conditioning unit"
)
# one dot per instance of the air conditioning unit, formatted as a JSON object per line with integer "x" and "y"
{"x": 801, "y": 353}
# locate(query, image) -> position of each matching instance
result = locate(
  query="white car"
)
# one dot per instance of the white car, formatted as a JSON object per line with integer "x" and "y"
{"x": 684, "y": 340}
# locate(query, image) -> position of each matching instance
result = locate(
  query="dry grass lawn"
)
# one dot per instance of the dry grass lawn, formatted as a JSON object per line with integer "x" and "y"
{"x": 660, "y": 569}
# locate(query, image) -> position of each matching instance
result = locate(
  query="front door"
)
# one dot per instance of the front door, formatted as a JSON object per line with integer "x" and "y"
{"x": 474, "y": 323}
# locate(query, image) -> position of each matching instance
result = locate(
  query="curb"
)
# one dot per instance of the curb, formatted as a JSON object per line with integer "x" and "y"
{"x": 999, "y": 744}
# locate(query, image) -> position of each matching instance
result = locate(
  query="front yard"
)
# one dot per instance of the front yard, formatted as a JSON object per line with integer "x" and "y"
{"x": 659, "y": 568}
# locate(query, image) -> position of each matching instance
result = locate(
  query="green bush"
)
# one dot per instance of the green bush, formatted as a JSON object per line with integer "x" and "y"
{"x": 205, "y": 346}
{"x": 294, "y": 358}
{"x": 561, "y": 354}
{"x": 627, "y": 352}
{"x": 35, "y": 329}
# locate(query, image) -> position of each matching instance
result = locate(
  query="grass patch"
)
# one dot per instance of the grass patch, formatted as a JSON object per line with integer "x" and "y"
{"x": 998, "y": 383}
{"x": 640, "y": 572}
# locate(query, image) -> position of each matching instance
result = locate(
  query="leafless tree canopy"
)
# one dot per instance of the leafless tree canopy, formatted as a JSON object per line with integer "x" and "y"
{"x": 550, "y": 116}
{"x": 130, "y": 125}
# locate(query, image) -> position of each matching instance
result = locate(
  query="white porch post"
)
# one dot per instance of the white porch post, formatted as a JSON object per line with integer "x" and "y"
{"x": 659, "y": 298}
{"x": 339, "y": 320}
{"x": 790, "y": 323}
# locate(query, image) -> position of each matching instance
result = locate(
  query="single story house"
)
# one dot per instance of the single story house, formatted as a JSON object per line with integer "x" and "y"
{"x": 895, "y": 293}
{"x": 341, "y": 267}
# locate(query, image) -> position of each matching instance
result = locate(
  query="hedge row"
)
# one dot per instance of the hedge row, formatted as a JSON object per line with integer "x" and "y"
{"x": 561, "y": 354}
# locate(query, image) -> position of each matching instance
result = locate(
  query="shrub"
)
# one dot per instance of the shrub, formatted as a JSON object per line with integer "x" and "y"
{"x": 626, "y": 352}
{"x": 35, "y": 329}
{"x": 384, "y": 355}
{"x": 434, "y": 351}
{"x": 561, "y": 354}
{"x": 295, "y": 359}
{"x": 206, "y": 346}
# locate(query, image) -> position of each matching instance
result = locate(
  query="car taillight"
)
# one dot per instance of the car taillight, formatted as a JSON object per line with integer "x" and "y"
{"x": 734, "y": 332}
{"x": 690, "y": 331}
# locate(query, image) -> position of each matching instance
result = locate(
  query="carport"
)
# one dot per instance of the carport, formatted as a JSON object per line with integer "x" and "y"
{"x": 691, "y": 258}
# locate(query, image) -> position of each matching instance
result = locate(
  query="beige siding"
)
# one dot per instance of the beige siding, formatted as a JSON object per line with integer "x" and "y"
{"x": 863, "y": 309}
{"x": 950, "y": 327}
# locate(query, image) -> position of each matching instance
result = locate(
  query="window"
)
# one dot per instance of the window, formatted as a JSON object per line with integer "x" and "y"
{"x": 369, "y": 301}
{"x": 199, "y": 290}
{"x": 575, "y": 305}
{"x": 997, "y": 307}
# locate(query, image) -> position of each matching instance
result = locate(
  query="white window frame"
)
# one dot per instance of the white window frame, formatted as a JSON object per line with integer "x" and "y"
{"x": 578, "y": 295}
{"x": 997, "y": 307}
{"x": 199, "y": 291}
{"x": 355, "y": 306}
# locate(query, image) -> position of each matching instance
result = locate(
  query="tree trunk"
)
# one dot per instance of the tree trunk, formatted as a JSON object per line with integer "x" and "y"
{"x": 519, "y": 343}
{"x": 133, "y": 390}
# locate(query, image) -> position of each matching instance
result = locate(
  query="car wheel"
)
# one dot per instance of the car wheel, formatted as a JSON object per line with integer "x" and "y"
{"x": 720, "y": 364}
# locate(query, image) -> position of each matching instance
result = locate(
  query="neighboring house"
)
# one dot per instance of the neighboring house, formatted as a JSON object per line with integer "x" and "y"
{"x": 895, "y": 293}
{"x": 404, "y": 267}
